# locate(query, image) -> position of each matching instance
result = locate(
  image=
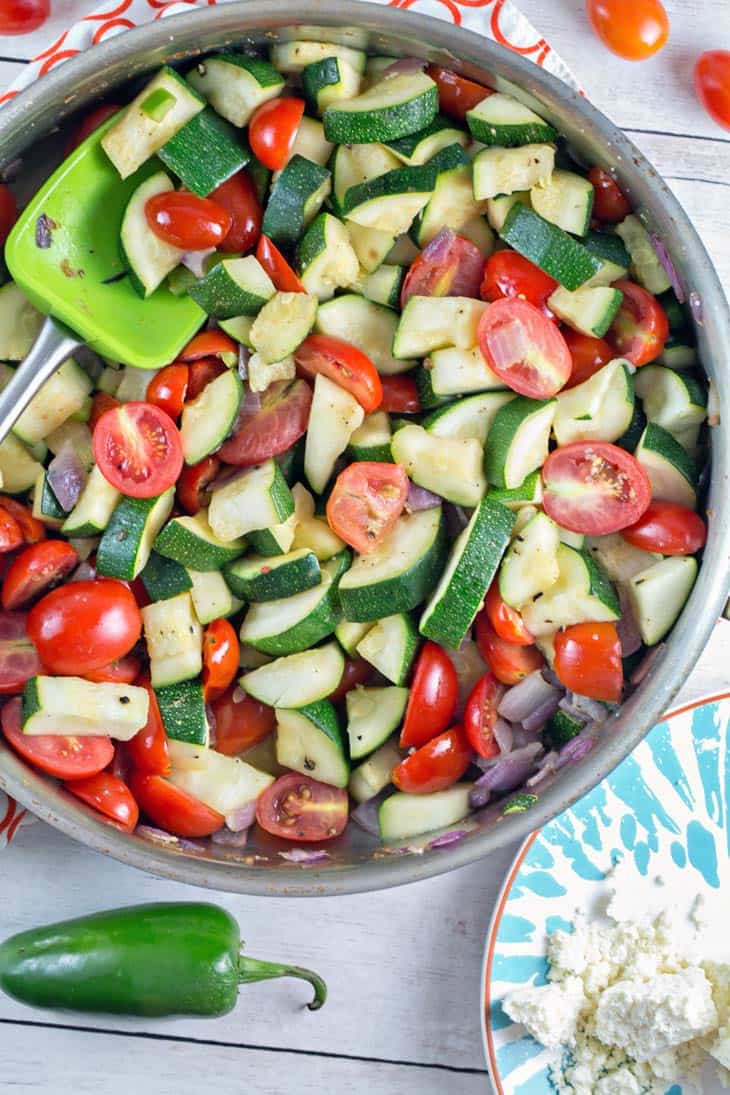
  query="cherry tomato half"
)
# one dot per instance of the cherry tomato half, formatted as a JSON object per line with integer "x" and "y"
{"x": 712, "y": 84}
{"x": 147, "y": 750}
{"x": 19, "y": 659}
{"x": 56, "y": 754}
{"x": 208, "y": 344}
{"x": 8, "y": 212}
{"x": 238, "y": 196}
{"x": 480, "y": 715}
{"x": 667, "y": 528}
{"x": 109, "y": 796}
{"x": 588, "y": 355}
{"x": 240, "y": 722}
{"x": 456, "y": 93}
{"x": 100, "y": 404}
{"x": 272, "y": 130}
{"x": 296, "y": 807}
{"x": 138, "y": 449}
{"x": 400, "y": 395}
{"x": 173, "y": 809}
{"x": 634, "y": 29}
{"x": 84, "y": 625}
{"x": 524, "y": 348}
{"x": 276, "y": 266}
{"x": 433, "y": 697}
{"x": 366, "y": 501}
{"x": 448, "y": 266}
{"x": 35, "y": 570}
{"x": 343, "y": 363}
{"x": 187, "y": 221}
{"x": 610, "y": 204}
{"x": 23, "y": 16}
{"x": 509, "y": 662}
{"x": 436, "y": 765}
{"x": 11, "y": 534}
{"x": 89, "y": 124}
{"x": 192, "y": 486}
{"x": 32, "y": 529}
{"x": 200, "y": 374}
{"x": 641, "y": 327}
{"x": 588, "y": 660}
{"x": 220, "y": 657}
{"x": 168, "y": 388}
{"x": 509, "y": 274}
{"x": 278, "y": 424}
{"x": 357, "y": 671}
{"x": 594, "y": 488}
{"x": 504, "y": 619}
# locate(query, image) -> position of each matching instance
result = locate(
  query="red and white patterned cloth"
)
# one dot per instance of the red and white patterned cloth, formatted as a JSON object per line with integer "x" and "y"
{"x": 499, "y": 20}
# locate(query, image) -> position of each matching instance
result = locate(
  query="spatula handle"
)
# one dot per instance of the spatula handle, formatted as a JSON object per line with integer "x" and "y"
{"x": 51, "y": 348}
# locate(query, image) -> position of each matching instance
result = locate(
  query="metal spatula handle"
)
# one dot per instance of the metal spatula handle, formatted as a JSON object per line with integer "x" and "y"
{"x": 51, "y": 348}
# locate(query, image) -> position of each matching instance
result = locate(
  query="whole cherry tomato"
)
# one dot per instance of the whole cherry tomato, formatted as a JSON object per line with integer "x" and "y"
{"x": 712, "y": 83}
{"x": 610, "y": 204}
{"x": 433, "y": 697}
{"x": 272, "y": 130}
{"x": 456, "y": 93}
{"x": 30, "y": 526}
{"x": 84, "y": 625}
{"x": 436, "y": 765}
{"x": 588, "y": 660}
{"x": 667, "y": 528}
{"x": 634, "y": 29}
{"x": 187, "y": 221}
{"x": 220, "y": 658}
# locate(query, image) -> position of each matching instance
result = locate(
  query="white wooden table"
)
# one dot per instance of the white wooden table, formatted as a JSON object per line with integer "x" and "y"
{"x": 403, "y": 966}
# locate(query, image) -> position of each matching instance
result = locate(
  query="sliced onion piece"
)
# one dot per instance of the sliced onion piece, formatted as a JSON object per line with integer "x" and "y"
{"x": 194, "y": 261}
{"x": 665, "y": 259}
{"x": 305, "y": 855}
{"x": 231, "y": 838}
{"x": 419, "y": 499}
{"x": 523, "y": 699}
{"x": 446, "y": 839}
{"x": 507, "y": 774}
{"x": 67, "y": 476}
{"x": 242, "y": 818}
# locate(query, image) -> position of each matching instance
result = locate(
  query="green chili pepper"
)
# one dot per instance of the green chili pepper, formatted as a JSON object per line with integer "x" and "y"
{"x": 165, "y": 959}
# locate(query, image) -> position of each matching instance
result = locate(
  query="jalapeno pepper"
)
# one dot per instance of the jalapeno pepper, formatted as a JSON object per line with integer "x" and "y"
{"x": 161, "y": 959}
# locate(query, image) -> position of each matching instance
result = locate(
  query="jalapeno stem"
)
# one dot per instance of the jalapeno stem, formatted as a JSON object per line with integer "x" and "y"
{"x": 254, "y": 969}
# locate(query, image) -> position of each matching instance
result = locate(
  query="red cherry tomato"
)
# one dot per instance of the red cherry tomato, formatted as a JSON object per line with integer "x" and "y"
{"x": 200, "y": 374}
{"x": 147, "y": 750}
{"x": 272, "y": 429}
{"x": 172, "y": 809}
{"x": 433, "y": 697}
{"x": 509, "y": 662}
{"x": 100, "y": 404}
{"x": 436, "y": 765}
{"x": 35, "y": 570}
{"x": 23, "y": 16}
{"x": 296, "y": 807}
{"x": 272, "y": 130}
{"x": 400, "y": 395}
{"x": 208, "y": 344}
{"x": 594, "y": 488}
{"x": 524, "y": 348}
{"x": 276, "y": 266}
{"x": 667, "y": 528}
{"x": 588, "y": 661}
{"x": 504, "y": 619}
{"x": 55, "y": 754}
{"x": 344, "y": 364}
{"x": 588, "y": 355}
{"x": 480, "y": 715}
{"x": 31, "y": 528}
{"x": 610, "y": 204}
{"x": 366, "y": 501}
{"x": 240, "y": 722}
{"x": 634, "y": 29}
{"x": 238, "y": 196}
{"x": 357, "y": 671}
{"x": 89, "y": 124}
{"x": 508, "y": 274}
{"x": 640, "y": 328}
{"x": 8, "y": 212}
{"x": 110, "y": 796}
{"x": 220, "y": 658}
{"x": 192, "y": 486}
{"x": 456, "y": 93}
{"x": 187, "y": 221}
{"x": 449, "y": 266}
{"x": 138, "y": 449}
{"x": 712, "y": 84}
{"x": 84, "y": 625}
{"x": 121, "y": 671}
{"x": 168, "y": 388}
{"x": 11, "y": 534}
{"x": 19, "y": 659}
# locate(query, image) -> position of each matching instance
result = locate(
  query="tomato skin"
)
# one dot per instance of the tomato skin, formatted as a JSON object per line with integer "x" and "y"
{"x": 504, "y": 329}
{"x": 456, "y": 93}
{"x": 667, "y": 528}
{"x": 23, "y": 16}
{"x": 436, "y": 765}
{"x": 100, "y": 404}
{"x": 633, "y": 29}
{"x": 343, "y": 363}
{"x": 588, "y": 355}
{"x": 480, "y": 715}
{"x": 32, "y": 529}
{"x": 448, "y": 266}
{"x": 610, "y": 204}
{"x": 509, "y": 662}
{"x": 505, "y": 620}
{"x": 35, "y": 570}
{"x": 192, "y": 492}
{"x": 272, "y": 130}
{"x": 173, "y": 809}
{"x": 110, "y": 796}
{"x": 138, "y": 449}
{"x": 641, "y": 327}
{"x": 433, "y": 697}
{"x": 366, "y": 501}
{"x": 620, "y": 488}
{"x": 121, "y": 671}
{"x": 357, "y": 671}
{"x": 11, "y": 534}
{"x": 296, "y": 807}
{"x": 238, "y": 196}
{"x": 240, "y": 721}
{"x": 208, "y": 344}
{"x": 712, "y": 84}
{"x": 168, "y": 388}
{"x": 220, "y": 657}
{"x": 19, "y": 659}
{"x": 400, "y": 395}
{"x": 8, "y": 212}
{"x": 89, "y": 124}
{"x": 276, "y": 266}
{"x": 272, "y": 429}
{"x": 588, "y": 661}
{"x": 187, "y": 221}
{"x": 84, "y": 625}
{"x": 147, "y": 751}
{"x": 508, "y": 274}
{"x": 55, "y": 754}
{"x": 200, "y": 374}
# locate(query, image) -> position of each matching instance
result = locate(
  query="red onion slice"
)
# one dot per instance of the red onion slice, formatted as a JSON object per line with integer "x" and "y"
{"x": 665, "y": 259}
{"x": 366, "y": 814}
{"x": 244, "y": 355}
{"x": 575, "y": 750}
{"x": 504, "y": 736}
{"x": 446, "y": 839}
{"x": 506, "y": 774}
{"x": 403, "y": 67}
{"x": 194, "y": 261}
{"x": 545, "y": 710}
{"x": 242, "y": 818}
{"x": 546, "y": 767}
{"x": 695, "y": 307}
{"x": 67, "y": 476}
{"x": 523, "y": 699}
{"x": 583, "y": 708}
{"x": 230, "y": 838}
{"x": 419, "y": 499}
{"x": 84, "y": 572}
{"x": 627, "y": 627}
{"x": 305, "y": 855}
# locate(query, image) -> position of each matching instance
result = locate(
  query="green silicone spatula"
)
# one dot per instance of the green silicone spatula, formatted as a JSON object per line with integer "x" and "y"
{"x": 64, "y": 254}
